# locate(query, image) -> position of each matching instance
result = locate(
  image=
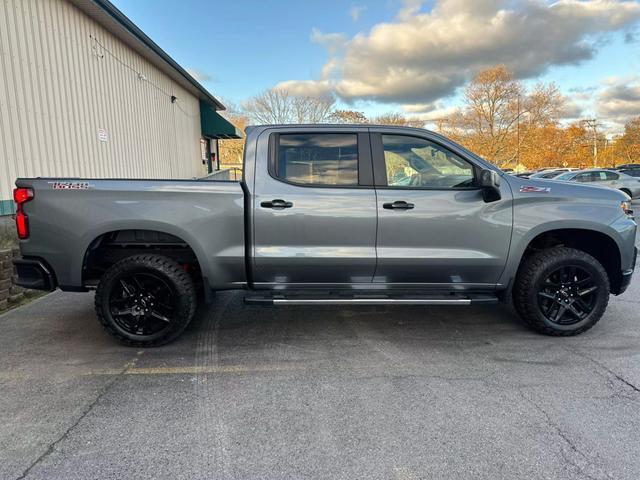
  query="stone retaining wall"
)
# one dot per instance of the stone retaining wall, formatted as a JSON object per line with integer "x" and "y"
{"x": 8, "y": 235}
{"x": 10, "y": 294}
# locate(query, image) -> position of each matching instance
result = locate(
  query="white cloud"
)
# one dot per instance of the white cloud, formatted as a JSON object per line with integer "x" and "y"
{"x": 309, "y": 88}
{"x": 571, "y": 110}
{"x": 619, "y": 101}
{"x": 356, "y": 11}
{"x": 418, "y": 107}
{"x": 421, "y": 57}
{"x": 199, "y": 75}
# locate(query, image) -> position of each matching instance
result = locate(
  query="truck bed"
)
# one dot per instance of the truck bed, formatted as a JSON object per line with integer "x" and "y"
{"x": 67, "y": 215}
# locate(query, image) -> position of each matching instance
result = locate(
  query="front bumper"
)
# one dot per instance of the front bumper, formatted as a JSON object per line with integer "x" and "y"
{"x": 625, "y": 281}
{"x": 35, "y": 274}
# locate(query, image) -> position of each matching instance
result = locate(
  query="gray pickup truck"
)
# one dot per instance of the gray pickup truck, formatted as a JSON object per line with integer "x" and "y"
{"x": 332, "y": 214}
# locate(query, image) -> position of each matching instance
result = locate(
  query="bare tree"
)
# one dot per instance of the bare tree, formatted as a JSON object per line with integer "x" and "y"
{"x": 348, "y": 116}
{"x": 394, "y": 118}
{"x": 280, "y": 106}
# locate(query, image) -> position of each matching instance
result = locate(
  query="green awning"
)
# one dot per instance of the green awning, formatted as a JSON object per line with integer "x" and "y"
{"x": 213, "y": 125}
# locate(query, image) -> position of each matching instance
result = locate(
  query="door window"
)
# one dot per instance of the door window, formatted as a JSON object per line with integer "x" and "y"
{"x": 419, "y": 163}
{"x": 612, "y": 176}
{"x": 318, "y": 158}
{"x": 584, "y": 177}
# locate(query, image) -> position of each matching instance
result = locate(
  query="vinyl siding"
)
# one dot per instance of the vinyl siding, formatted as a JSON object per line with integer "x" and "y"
{"x": 58, "y": 87}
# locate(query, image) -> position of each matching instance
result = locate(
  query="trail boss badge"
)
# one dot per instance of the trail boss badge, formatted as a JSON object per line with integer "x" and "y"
{"x": 70, "y": 185}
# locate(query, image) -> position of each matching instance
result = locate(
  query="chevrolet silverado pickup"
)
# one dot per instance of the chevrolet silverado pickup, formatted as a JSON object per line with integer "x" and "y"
{"x": 329, "y": 214}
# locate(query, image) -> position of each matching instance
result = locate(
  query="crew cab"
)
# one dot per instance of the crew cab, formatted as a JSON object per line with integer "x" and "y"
{"x": 329, "y": 214}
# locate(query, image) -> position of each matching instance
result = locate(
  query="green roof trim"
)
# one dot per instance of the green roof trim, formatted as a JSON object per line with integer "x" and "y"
{"x": 7, "y": 207}
{"x": 213, "y": 125}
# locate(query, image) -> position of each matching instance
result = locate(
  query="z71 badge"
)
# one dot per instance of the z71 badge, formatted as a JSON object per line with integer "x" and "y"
{"x": 534, "y": 189}
{"x": 70, "y": 185}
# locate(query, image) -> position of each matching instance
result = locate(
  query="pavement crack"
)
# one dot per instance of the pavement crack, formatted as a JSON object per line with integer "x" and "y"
{"x": 601, "y": 365}
{"x": 575, "y": 451}
{"x": 107, "y": 386}
{"x": 623, "y": 380}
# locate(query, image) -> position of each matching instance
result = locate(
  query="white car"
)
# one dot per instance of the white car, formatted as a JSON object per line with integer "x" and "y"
{"x": 551, "y": 173}
{"x": 606, "y": 178}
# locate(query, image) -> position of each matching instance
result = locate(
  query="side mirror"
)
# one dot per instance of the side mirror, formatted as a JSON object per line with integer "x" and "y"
{"x": 490, "y": 184}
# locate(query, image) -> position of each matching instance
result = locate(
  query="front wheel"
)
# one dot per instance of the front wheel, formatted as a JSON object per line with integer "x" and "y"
{"x": 561, "y": 291}
{"x": 145, "y": 300}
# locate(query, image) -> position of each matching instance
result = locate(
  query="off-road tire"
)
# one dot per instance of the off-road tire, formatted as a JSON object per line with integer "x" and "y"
{"x": 535, "y": 268}
{"x": 172, "y": 273}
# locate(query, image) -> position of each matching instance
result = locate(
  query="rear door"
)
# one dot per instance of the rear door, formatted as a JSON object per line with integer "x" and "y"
{"x": 314, "y": 209}
{"x": 434, "y": 227}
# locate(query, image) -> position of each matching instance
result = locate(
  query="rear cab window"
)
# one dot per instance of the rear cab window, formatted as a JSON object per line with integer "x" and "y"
{"x": 324, "y": 159}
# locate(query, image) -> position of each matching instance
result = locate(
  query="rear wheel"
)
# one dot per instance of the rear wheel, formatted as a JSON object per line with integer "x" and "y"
{"x": 145, "y": 300}
{"x": 624, "y": 190}
{"x": 561, "y": 291}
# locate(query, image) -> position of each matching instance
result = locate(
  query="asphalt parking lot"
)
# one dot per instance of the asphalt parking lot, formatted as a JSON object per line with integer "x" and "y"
{"x": 331, "y": 392}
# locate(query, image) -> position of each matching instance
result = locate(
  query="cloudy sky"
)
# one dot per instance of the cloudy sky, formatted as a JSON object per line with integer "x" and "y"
{"x": 407, "y": 55}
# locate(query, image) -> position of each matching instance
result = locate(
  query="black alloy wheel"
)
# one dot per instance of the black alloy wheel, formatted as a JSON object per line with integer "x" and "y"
{"x": 561, "y": 291}
{"x": 568, "y": 295}
{"x": 142, "y": 303}
{"x": 145, "y": 300}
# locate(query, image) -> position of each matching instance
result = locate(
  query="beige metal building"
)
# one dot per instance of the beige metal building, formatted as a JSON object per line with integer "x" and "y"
{"x": 85, "y": 93}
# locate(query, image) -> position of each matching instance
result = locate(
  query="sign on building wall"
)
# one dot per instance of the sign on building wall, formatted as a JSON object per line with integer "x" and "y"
{"x": 103, "y": 136}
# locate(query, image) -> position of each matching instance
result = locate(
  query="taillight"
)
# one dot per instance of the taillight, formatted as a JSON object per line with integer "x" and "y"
{"x": 22, "y": 196}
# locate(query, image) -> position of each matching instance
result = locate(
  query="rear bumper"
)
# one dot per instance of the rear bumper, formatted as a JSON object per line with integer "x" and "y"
{"x": 625, "y": 281}
{"x": 35, "y": 274}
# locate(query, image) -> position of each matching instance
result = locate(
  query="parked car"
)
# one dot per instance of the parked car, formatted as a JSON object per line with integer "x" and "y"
{"x": 628, "y": 166}
{"x": 632, "y": 172}
{"x": 606, "y": 178}
{"x": 334, "y": 214}
{"x": 551, "y": 173}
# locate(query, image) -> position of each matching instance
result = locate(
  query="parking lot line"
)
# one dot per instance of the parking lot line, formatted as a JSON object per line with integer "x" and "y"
{"x": 195, "y": 370}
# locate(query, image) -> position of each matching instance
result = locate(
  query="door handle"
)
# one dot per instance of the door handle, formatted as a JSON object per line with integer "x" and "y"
{"x": 278, "y": 204}
{"x": 398, "y": 205}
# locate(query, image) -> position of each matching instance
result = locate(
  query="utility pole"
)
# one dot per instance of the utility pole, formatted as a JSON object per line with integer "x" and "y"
{"x": 518, "y": 133}
{"x": 592, "y": 123}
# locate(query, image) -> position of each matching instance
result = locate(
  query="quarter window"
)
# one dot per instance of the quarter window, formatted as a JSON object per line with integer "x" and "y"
{"x": 318, "y": 158}
{"x": 416, "y": 162}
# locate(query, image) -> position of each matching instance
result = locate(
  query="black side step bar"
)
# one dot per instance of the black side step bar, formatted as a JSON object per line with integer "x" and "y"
{"x": 458, "y": 299}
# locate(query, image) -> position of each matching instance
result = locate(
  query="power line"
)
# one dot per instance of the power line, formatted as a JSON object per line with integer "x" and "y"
{"x": 140, "y": 75}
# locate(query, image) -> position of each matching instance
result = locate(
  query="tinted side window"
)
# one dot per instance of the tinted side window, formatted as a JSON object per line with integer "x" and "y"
{"x": 318, "y": 158}
{"x": 612, "y": 176}
{"x": 415, "y": 162}
{"x": 583, "y": 177}
{"x": 599, "y": 176}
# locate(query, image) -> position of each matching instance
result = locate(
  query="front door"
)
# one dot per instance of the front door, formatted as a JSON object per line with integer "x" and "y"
{"x": 315, "y": 210}
{"x": 434, "y": 227}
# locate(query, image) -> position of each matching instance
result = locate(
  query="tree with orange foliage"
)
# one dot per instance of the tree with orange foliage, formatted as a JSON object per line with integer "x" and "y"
{"x": 500, "y": 117}
{"x": 626, "y": 148}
